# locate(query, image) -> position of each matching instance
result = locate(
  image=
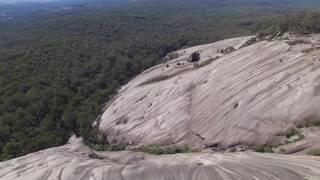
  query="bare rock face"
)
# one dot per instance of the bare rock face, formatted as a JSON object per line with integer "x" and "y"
{"x": 234, "y": 95}
{"x": 75, "y": 162}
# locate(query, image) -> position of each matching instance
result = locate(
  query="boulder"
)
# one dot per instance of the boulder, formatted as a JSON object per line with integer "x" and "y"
{"x": 253, "y": 95}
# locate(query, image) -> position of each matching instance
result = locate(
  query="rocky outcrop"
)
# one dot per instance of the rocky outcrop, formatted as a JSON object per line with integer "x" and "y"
{"x": 251, "y": 95}
{"x": 76, "y": 162}
{"x": 237, "y": 93}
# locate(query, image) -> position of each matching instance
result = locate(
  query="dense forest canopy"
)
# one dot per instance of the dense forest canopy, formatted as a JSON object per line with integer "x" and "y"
{"x": 58, "y": 68}
{"x": 304, "y": 22}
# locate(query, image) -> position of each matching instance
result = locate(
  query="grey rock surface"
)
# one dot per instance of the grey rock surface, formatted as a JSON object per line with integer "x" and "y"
{"x": 250, "y": 95}
{"x": 73, "y": 162}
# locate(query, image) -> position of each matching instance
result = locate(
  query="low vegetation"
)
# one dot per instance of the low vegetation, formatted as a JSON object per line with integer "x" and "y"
{"x": 291, "y": 136}
{"x": 314, "y": 152}
{"x": 227, "y": 50}
{"x": 98, "y": 143}
{"x": 263, "y": 149}
{"x": 310, "y": 122}
{"x": 292, "y": 132}
{"x": 249, "y": 42}
{"x": 171, "y": 56}
{"x": 166, "y": 149}
{"x": 310, "y": 50}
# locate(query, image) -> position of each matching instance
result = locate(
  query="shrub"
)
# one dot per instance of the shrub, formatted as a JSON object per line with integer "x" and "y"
{"x": 310, "y": 50}
{"x": 98, "y": 142}
{"x": 167, "y": 149}
{"x": 291, "y": 133}
{"x": 314, "y": 152}
{"x": 263, "y": 149}
{"x": 310, "y": 122}
{"x": 195, "y": 57}
{"x": 249, "y": 42}
{"x": 172, "y": 55}
{"x": 227, "y": 50}
{"x": 103, "y": 146}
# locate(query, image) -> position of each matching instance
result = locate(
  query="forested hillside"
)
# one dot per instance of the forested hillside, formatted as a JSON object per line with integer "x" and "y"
{"x": 57, "y": 69}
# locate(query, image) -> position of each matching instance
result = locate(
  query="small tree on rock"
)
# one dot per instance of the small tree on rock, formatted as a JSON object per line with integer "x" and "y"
{"x": 195, "y": 57}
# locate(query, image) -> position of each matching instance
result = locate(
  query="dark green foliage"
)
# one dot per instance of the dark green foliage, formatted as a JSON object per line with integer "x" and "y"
{"x": 263, "y": 149}
{"x": 108, "y": 147}
{"x": 97, "y": 142}
{"x": 168, "y": 149}
{"x": 292, "y": 132}
{"x": 195, "y": 57}
{"x": 306, "y": 22}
